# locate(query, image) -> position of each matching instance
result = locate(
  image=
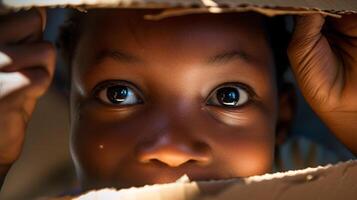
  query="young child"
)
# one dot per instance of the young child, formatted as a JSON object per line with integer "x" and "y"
{"x": 198, "y": 94}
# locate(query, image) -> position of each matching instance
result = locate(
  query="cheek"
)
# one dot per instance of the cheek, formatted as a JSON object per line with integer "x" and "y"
{"x": 103, "y": 139}
{"x": 245, "y": 142}
{"x": 247, "y": 155}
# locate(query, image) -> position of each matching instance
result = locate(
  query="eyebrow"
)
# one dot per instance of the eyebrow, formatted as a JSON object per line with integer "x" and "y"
{"x": 228, "y": 56}
{"x": 125, "y": 57}
{"x": 118, "y": 55}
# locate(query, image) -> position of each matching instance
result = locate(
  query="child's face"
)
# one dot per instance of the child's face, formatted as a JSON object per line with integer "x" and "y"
{"x": 153, "y": 100}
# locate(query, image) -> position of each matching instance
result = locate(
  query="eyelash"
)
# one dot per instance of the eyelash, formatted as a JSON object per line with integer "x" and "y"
{"x": 106, "y": 84}
{"x": 252, "y": 96}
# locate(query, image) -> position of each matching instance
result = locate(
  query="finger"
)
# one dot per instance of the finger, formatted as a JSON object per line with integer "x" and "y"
{"x": 11, "y": 82}
{"x": 21, "y": 26}
{"x": 347, "y": 25}
{"x": 5, "y": 60}
{"x": 16, "y": 111}
{"x": 23, "y": 56}
{"x": 32, "y": 82}
{"x": 31, "y": 69}
{"x": 312, "y": 60}
{"x": 16, "y": 101}
{"x": 307, "y": 34}
{"x": 342, "y": 35}
{"x": 43, "y": 15}
{"x": 307, "y": 28}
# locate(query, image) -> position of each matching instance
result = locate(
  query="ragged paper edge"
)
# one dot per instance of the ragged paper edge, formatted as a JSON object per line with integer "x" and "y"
{"x": 194, "y": 187}
{"x": 171, "y": 9}
{"x": 265, "y": 11}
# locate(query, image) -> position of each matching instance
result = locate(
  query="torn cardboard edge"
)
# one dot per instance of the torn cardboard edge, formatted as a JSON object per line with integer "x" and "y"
{"x": 271, "y": 12}
{"x": 183, "y": 7}
{"x": 323, "y": 182}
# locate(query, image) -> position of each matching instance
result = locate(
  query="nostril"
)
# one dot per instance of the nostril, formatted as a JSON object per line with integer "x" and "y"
{"x": 191, "y": 161}
{"x": 160, "y": 163}
{"x": 201, "y": 147}
{"x": 157, "y": 162}
{"x": 174, "y": 153}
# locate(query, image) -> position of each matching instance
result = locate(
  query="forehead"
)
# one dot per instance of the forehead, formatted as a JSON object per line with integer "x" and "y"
{"x": 197, "y": 34}
{"x": 118, "y": 18}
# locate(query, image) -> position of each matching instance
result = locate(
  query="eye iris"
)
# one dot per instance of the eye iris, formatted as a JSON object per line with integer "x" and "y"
{"x": 228, "y": 96}
{"x": 117, "y": 94}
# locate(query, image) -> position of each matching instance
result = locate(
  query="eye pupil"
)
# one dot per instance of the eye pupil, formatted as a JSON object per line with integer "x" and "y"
{"x": 228, "y": 96}
{"x": 117, "y": 94}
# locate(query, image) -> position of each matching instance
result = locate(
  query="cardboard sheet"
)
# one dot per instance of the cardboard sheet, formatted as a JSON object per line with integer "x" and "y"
{"x": 181, "y": 7}
{"x": 328, "y": 182}
{"x": 325, "y": 183}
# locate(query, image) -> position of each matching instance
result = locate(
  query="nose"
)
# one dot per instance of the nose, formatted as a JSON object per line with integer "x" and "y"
{"x": 174, "y": 151}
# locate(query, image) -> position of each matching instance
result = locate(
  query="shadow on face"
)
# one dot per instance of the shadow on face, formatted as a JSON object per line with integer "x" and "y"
{"x": 153, "y": 100}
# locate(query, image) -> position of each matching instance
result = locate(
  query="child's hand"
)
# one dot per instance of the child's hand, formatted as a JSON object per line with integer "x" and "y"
{"x": 26, "y": 70}
{"x": 323, "y": 55}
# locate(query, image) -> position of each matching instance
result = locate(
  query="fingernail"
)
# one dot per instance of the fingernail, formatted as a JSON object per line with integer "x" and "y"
{"x": 42, "y": 12}
{"x": 5, "y": 60}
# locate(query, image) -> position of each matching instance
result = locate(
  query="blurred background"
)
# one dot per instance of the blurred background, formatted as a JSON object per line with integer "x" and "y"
{"x": 45, "y": 167}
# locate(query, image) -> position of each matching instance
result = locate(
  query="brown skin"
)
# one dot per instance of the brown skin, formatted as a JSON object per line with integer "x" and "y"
{"x": 23, "y": 81}
{"x": 323, "y": 55}
{"x": 175, "y": 64}
{"x": 175, "y": 130}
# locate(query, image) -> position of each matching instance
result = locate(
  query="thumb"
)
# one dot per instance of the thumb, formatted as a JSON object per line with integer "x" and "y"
{"x": 312, "y": 60}
{"x": 308, "y": 25}
{"x": 306, "y": 34}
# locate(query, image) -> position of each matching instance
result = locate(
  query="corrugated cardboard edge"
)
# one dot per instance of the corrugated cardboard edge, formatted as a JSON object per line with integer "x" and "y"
{"x": 181, "y": 7}
{"x": 262, "y": 10}
{"x": 327, "y": 183}
{"x": 323, "y": 182}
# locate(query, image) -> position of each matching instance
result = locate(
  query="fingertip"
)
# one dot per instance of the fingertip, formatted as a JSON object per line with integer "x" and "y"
{"x": 308, "y": 25}
{"x": 309, "y": 18}
{"x": 51, "y": 55}
{"x": 29, "y": 55}
{"x": 43, "y": 16}
{"x": 22, "y": 27}
{"x": 5, "y": 60}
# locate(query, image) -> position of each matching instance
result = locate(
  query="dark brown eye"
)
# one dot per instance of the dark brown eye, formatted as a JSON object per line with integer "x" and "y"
{"x": 117, "y": 94}
{"x": 229, "y": 96}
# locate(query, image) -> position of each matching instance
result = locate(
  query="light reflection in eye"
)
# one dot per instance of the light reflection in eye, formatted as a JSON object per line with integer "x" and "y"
{"x": 229, "y": 96}
{"x": 118, "y": 94}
